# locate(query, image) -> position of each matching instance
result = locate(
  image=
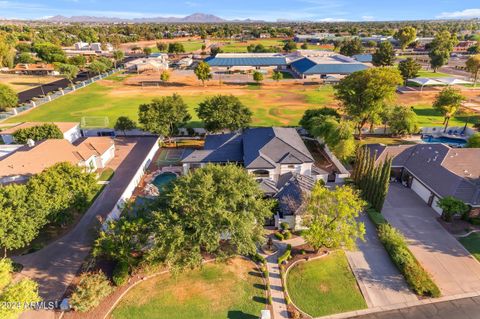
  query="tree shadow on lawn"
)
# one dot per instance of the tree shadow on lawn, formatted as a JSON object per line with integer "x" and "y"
{"x": 236, "y": 314}
{"x": 259, "y": 299}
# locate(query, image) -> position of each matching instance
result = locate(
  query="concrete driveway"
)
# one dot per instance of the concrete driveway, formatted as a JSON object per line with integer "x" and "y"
{"x": 378, "y": 278}
{"x": 453, "y": 268}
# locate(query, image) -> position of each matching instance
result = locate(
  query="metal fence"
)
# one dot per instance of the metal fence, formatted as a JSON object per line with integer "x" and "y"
{"x": 37, "y": 101}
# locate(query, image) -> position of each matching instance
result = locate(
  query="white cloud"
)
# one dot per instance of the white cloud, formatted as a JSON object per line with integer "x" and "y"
{"x": 464, "y": 14}
{"x": 368, "y": 18}
{"x": 191, "y": 4}
{"x": 332, "y": 20}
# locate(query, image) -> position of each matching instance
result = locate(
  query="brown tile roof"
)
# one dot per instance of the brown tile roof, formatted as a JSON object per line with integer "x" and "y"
{"x": 33, "y": 160}
{"x": 63, "y": 126}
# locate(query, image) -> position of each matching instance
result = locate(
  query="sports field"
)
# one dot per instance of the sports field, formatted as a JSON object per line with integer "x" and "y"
{"x": 21, "y": 83}
{"x": 277, "y": 104}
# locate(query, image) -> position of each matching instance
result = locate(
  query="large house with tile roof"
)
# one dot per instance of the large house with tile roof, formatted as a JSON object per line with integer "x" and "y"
{"x": 434, "y": 171}
{"x": 277, "y": 157}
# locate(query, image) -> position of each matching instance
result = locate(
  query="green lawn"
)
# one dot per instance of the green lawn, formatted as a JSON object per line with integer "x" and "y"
{"x": 382, "y": 140}
{"x": 428, "y": 116}
{"x": 189, "y": 46}
{"x": 241, "y": 46}
{"x": 106, "y": 175}
{"x": 431, "y": 74}
{"x": 325, "y": 286}
{"x": 234, "y": 291}
{"x": 472, "y": 243}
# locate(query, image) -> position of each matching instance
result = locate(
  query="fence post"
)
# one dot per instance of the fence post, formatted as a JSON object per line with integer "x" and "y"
{"x": 49, "y": 98}
{"x": 14, "y": 111}
{"x": 61, "y": 90}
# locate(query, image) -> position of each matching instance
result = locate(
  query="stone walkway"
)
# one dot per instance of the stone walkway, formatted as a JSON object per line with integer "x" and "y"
{"x": 279, "y": 304}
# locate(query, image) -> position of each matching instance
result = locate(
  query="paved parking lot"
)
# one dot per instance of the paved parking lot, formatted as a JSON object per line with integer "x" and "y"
{"x": 453, "y": 268}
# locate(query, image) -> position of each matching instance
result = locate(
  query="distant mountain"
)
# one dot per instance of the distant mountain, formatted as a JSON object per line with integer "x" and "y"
{"x": 193, "y": 18}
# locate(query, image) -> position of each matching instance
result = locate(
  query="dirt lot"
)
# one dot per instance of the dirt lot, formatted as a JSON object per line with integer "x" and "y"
{"x": 21, "y": 83}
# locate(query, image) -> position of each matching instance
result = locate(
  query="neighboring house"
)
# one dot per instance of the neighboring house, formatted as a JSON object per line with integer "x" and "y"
{"x": 34, "y": 69}
{"x": 305, "y": 64}
{"x": 71, "y": 130}
{"x": 313, "y": 38}
{"x": 81, "y": 46}
{"x": 155, "y": 62}
{"x": 434, "y": 171}
{"x": 91, "y": 153}
{"x": 276, "y": 157}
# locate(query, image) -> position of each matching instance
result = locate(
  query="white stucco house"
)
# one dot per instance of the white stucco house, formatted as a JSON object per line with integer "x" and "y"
{"x": 277, "y": 157}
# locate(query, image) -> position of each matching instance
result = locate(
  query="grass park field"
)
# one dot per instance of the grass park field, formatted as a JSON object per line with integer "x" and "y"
{"x": 21, "y": 83}
{"x": 217, "y": 291}
{"x": 325, "y": 286}
{"x": 277, "y": 104}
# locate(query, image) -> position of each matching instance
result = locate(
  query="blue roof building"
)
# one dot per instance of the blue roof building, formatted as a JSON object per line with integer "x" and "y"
{"x": 247, "y": 60}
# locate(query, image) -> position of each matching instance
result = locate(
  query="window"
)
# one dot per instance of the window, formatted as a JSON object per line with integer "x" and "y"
{"x": 261, "y": 173}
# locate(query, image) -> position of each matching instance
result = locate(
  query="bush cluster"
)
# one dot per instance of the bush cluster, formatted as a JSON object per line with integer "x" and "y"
{"x": 120, "y": 273}
{"x": 91, "y": 290}
{"x": 286, "y": 255}
{"x": 396, "y": 246}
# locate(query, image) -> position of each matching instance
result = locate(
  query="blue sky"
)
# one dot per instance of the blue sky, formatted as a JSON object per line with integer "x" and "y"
{"x": 271, "y": 10}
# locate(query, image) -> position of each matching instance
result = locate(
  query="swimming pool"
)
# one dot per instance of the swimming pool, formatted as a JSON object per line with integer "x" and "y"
{"x": 456, "y": 142}
{"x": 163, "y": 179}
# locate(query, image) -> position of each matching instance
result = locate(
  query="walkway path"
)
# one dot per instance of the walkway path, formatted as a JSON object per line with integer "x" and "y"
{"x": 379, "y": 280}
{"x": 279, "y": 304}
{"x": 55, "y": 266}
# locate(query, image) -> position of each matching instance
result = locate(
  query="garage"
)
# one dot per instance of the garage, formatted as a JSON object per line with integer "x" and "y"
{"x": 435, "y": 205}
{"x": 421, "y": 190}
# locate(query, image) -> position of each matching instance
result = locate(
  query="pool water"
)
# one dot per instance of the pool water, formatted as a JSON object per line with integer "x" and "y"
{"x": 163, "y": 179}
{"x": 457, "y": 142}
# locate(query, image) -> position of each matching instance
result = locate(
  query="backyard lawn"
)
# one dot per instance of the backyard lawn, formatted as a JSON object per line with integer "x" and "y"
{"x": 188, "y": 45}
{"x": 234, "y": 291}
{"x": 428, "y": 116}
{"x": 325, "y": 286}
{"x": 241, "y": 46}
{"x": 472, "y": 243}
{"x": 431, "y": 74}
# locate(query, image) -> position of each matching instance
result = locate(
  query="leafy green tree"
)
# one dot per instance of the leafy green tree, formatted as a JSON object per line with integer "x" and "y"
{"x": 38, "y": 133}
{"x": 277, "y": 76}
{"x": 7, "y": 49}
{"x": 24, "y": 57}
{"x": 203, "y": 72}
{"x": 475, "y": 49}
{"x": 351, "y": 47}
{"x": 331, "y": 218}
{"x": 384, "y": 55}
{"x": 162, "y": 46}
{"x": 124, "y": 240}
{"x": 406, "y": 35}
{"x": 19, "y": 223}
{"x": 97, "y": 67}
{"x": 106, "y": 61}
{"x": 164, "y": 115}
{"x": 217, "y": 210}
{"x": 90, "y": 291}
{"x": 311, "y": 114}
{"x": 68, "y": 71}
{"x": 23, "y": 47}
{"x": 15, "y": 291}
{"x": 257, "y": 77}
{"x": 473, "y": 66}
{"x": 403, "y": 121}
{"x": 338, "y": 135}
{"x": 165, "y": 76}
{"x": 451, "y": 206}
{"x": 447, "y": 102}
{"x": 49, "y": 52}
{"x": 78, "y": 60}
{"x": 290, "y": 46}
{"x": 215, "y": 50}
{"x": 8, "y": 97}
{"x": 304, "y": 46}
{"x": 118, "y": 55}
{"x": 409, "y": 69}
{"x": 176, "y": 48}
{"x": 441, "y": 48}
{"x": 364, "y": 93}
{"x": 474, "y": 141}
{"x": 223, "y": 112}
{"x": 147, "y": 51}
{"x": 124, "y": 124}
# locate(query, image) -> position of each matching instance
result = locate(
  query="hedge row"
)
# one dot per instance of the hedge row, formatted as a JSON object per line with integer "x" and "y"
{"x": 415, "y": 275}
{"x": 376, "y": 217}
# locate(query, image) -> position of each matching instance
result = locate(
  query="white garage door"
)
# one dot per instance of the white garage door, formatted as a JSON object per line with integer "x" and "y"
{"x": 421, "y": 190}
{"x": 435, "y": 205}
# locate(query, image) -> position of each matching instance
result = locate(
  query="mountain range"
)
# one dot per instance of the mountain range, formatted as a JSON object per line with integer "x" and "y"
{"x": 193, "y": 18}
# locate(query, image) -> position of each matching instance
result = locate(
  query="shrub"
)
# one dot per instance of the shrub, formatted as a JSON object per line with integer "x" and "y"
{"x": 90, "y": 291}
{"x": 120, "y": 273}
{"x": 287, "y": 234}
{"x": 286, "y": 255}
{"x": 278, "y": 236}
{"x": 418, "y": 279}
{"x": 475, "y": 221}
{"x": 376, "y": 217}
{"x": 258, "y": 258}
{"x": 284, "y": 226}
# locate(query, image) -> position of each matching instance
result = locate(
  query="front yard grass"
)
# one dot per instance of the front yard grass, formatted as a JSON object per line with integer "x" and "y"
{"x": 234, "y": 290}
{"x": 325, "y": 286}
{"x": 472, "y": 243}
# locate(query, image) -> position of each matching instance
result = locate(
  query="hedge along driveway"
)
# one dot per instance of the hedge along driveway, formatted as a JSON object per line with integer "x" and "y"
{"x": 452, "y": 267}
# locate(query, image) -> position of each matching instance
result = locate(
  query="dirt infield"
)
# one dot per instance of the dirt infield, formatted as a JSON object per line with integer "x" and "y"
{"x": 21, "y": 83}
